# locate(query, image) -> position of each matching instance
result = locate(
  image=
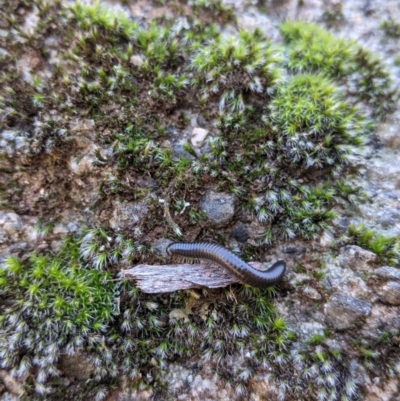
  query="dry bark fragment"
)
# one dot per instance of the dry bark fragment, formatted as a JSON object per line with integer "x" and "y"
{"x": 168, "y": 278}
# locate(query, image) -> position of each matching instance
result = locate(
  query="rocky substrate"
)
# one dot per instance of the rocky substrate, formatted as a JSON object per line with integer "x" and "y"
{"x": 341, "y": 301}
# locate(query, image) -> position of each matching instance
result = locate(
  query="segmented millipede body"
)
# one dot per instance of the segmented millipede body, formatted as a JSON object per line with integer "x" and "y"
{"x": 218, "y": 254}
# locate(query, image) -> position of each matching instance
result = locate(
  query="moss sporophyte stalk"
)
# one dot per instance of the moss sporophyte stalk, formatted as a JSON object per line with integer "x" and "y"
{"x": 286, "y": 138}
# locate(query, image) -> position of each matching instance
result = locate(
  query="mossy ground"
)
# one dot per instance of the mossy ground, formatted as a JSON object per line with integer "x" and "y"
{"x": 285, "y": 140}
{"x": 387, "y": 248}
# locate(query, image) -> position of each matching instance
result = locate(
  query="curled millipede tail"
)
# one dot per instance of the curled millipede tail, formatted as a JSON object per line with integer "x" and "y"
{"x": 218, "y": 254}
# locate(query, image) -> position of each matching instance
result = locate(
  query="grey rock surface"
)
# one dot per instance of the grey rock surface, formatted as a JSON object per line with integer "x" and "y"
{"x": 128, "y": 214}
{"x": 13, "y": 142}
{"x": 382, "y": 317}
{"x": 77, "y": 366}
{"x": 345, "y": 312}
{"x": 84, "y": 132}
{"x": 198, "y": 136}
{"x": 219, "y": 207}
{"x": 200, "y": 121}
{"x": 345, "y": 281}
{"x": 390, "y": 392}
{"x": 355, "y": 258}
{"x": 160, "y": 247}
{"x": 178, "y": 152}
{"x": 390, "y": 293}
{"x": 388, "y": 272}
{"x": 11, "y": 224}
{"x": 240, "y": 232}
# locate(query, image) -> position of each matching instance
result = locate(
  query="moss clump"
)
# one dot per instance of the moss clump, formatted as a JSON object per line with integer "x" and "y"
{"x": 372, "y": 84}
{"x": 89, "y": 15}
{"x": 391, "y": 28}
{"x": 386, "y": 247}
{"x": 311, "y": 48}
{"x": 307, "y": 130}
{"x": 215, "y": 7}
{"x": 57, "y": 304}
{"x": 310, "y": 210}
{"x": 233, "y": 68}
{"x": 313, "y": 371}
{"x": 314, "y": 126}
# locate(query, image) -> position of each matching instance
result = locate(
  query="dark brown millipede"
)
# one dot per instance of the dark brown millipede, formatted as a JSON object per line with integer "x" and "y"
{"x": 217, "y": 253}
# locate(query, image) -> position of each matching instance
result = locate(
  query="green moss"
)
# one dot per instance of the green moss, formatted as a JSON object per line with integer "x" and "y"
{"x": 316, "y": 339}
{"x": 215, "y": 7}
{"x": 391, "y": 28}
{"x": 233, "y": 68}
{"x": 311, "y": 48}
{"x": 333, "y": 16}
{"x": 386, "y": 247}
{"x": 315, "y": 128}
{"x": 56, "y": 303}
{"x": 60, "y": 304}
{"x": 88, "y": 15}
{"x": 130, "y": 78}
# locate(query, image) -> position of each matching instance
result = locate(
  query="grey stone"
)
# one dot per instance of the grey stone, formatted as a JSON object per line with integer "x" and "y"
{"x": 18, "y": 248}
{"x": 186, "y": 383}
{"x": 308, "y": 329}
{"x": 390, "y": 293}
{"x": 345, "y": 281}
{"x": 128, "y": 214}
{"x": 201, "y": 122}
{"x": 147, "y": 182}
{"x": 388, "y": 272}
{"x": 387, "y": 220}
{"x": 60, "y": 229}
{"x": 240, "y": 232}
{"x": 393, "y": 195}
{"x": 160, "y": 246}
{"x": 73, "y": 227}
{"x": 326, "y": 239}
{"x": 136, "y": 60}
{"x": 78, "y": 366}
{"x": 311, "y": 293}
{"x": 83, "y": 132}
{"x": 178, "y": 152}
{"x": 294, "y": 249}
{"x": 219, "y": 207}
{"x": 11, "y": 383}
{"x": 295, "y": 280}
{"x": 11, "y": 223}
{"x": 382, "y": 317}
{"x": 343, "y": 312}
{"x": 171, "y": 130}
{"x": 355, "y": 258}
